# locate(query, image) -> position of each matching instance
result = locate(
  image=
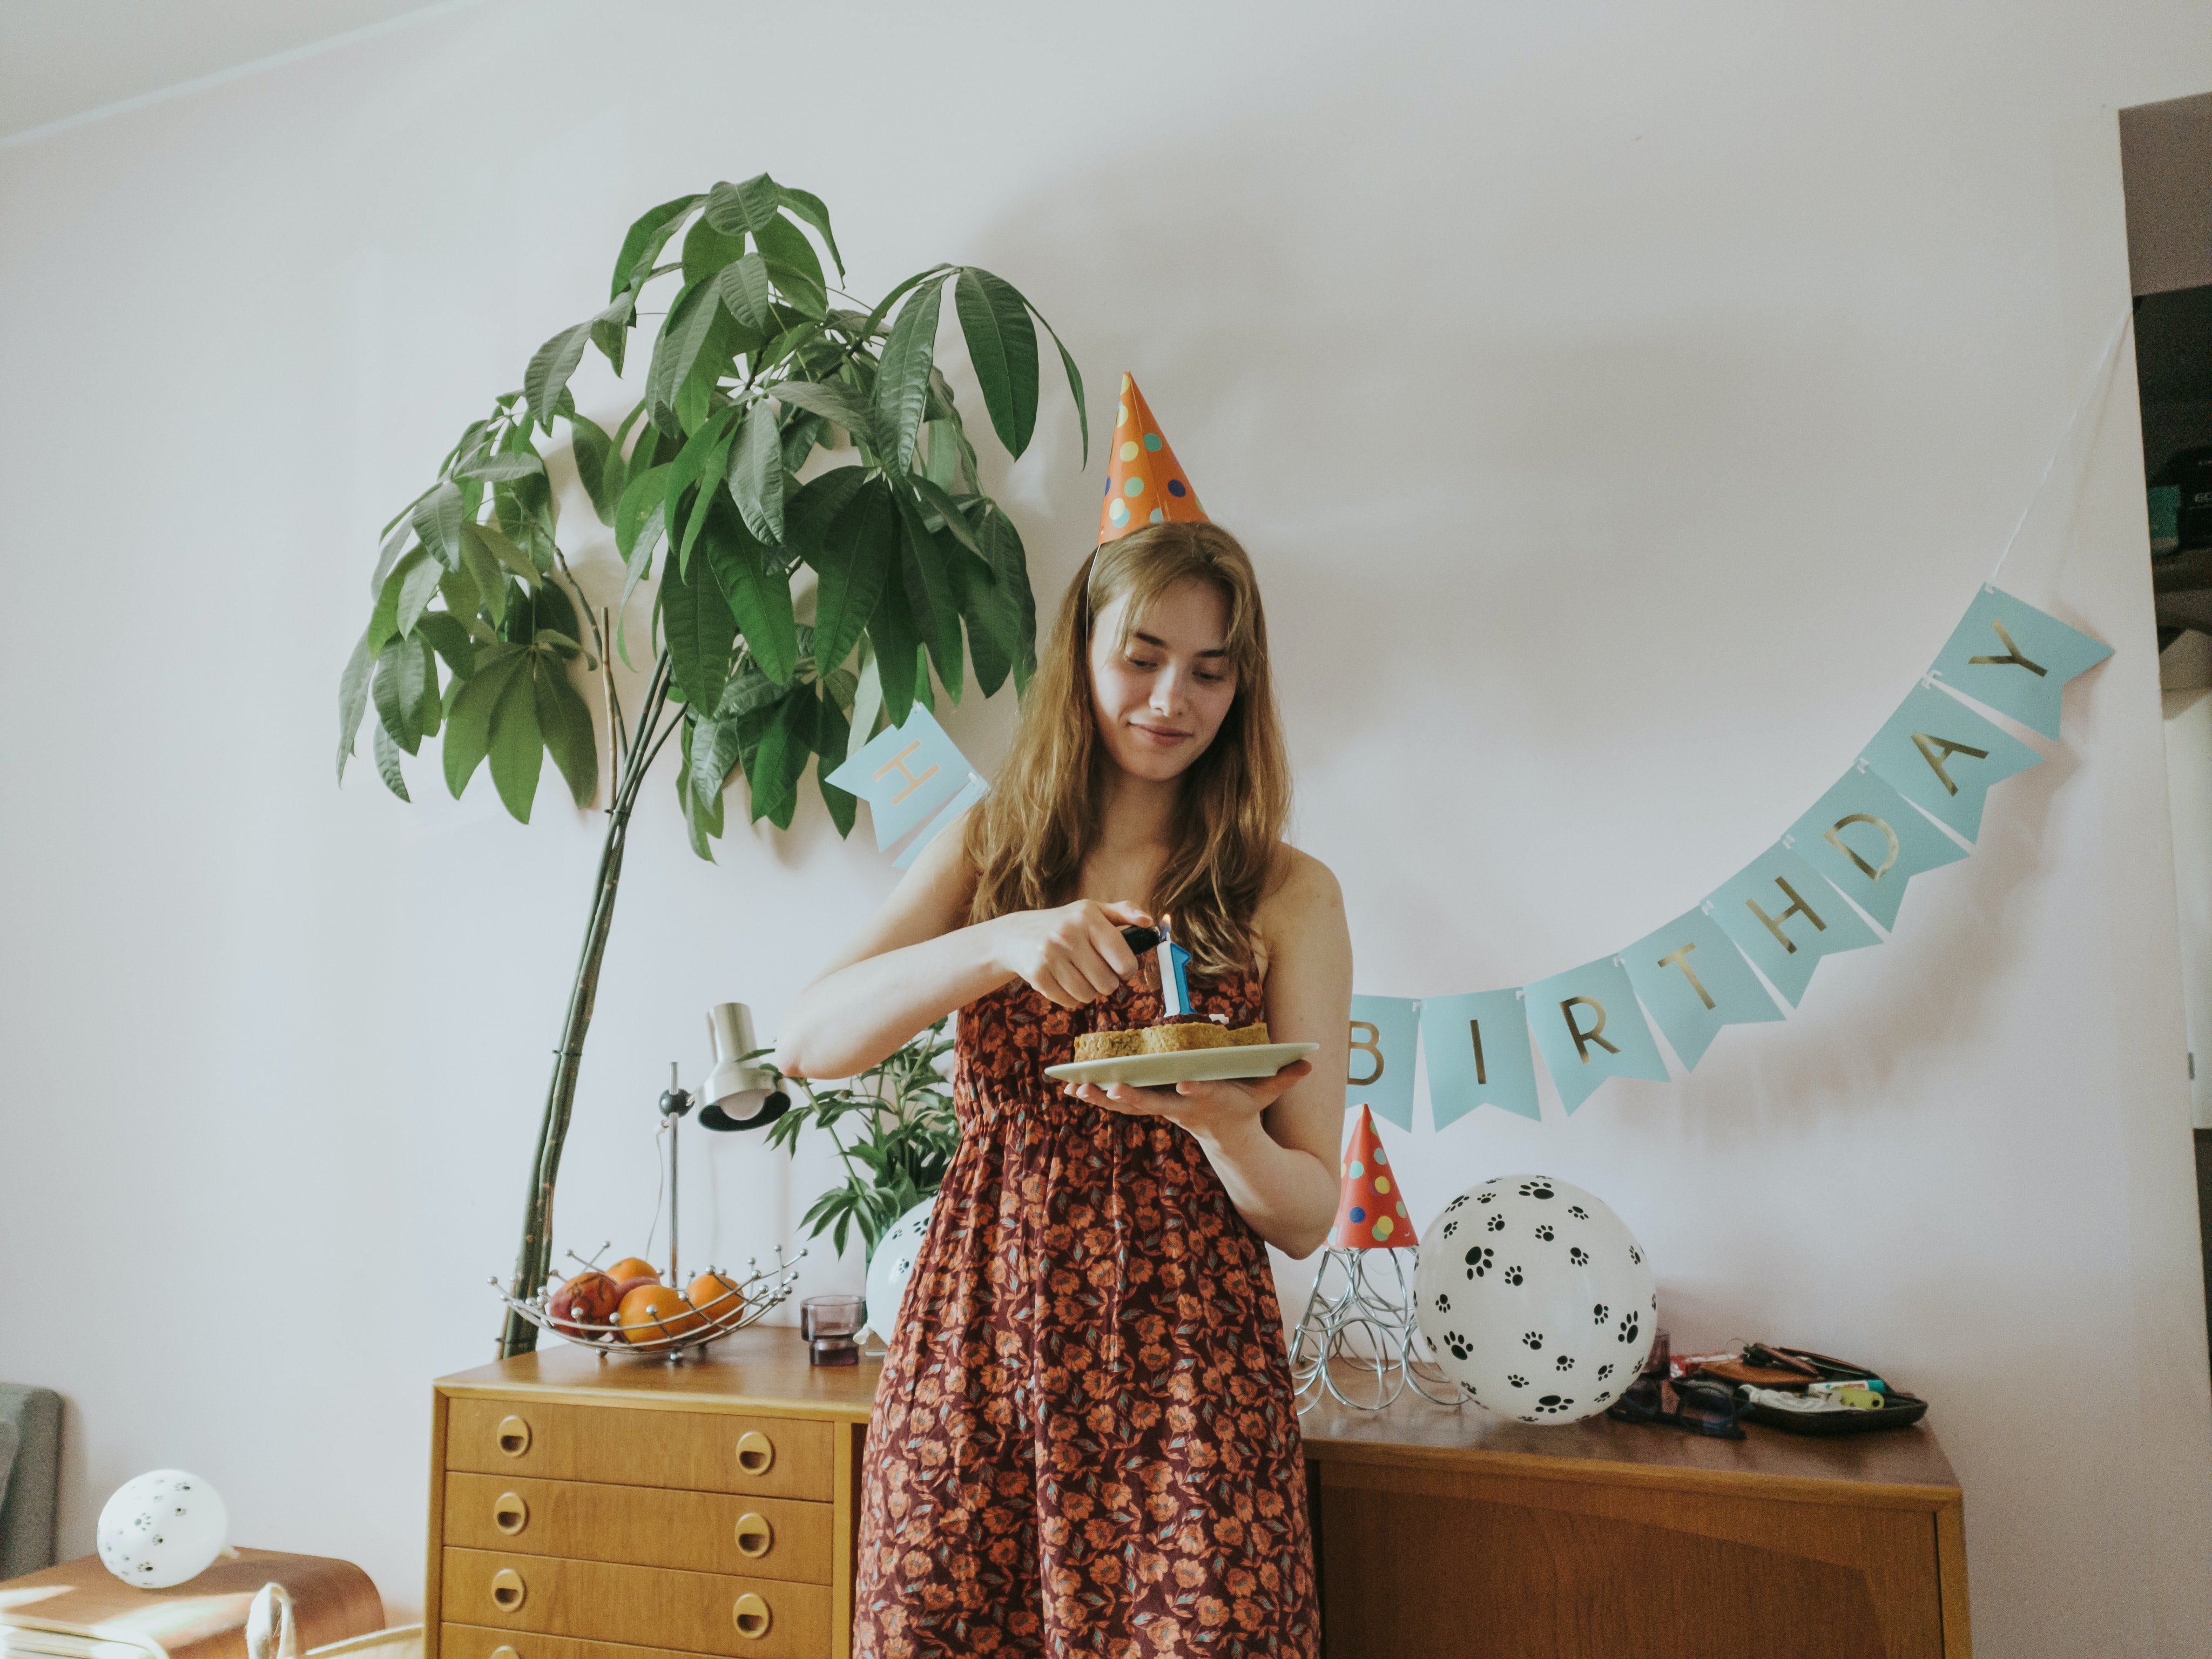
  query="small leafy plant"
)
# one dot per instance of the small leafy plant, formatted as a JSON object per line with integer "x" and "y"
{"x": 900, "y": 1115}
{"x": 791, "y": 445}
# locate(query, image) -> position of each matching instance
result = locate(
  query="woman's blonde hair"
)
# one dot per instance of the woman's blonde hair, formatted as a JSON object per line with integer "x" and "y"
{"x": 1029, "y": 838}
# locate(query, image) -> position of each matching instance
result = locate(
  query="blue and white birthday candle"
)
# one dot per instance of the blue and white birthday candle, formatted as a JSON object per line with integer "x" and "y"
{"x": 1175, "y": 989}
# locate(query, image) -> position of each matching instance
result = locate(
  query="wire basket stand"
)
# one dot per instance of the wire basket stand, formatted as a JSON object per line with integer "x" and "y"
{"x": 1358, "y": 1342}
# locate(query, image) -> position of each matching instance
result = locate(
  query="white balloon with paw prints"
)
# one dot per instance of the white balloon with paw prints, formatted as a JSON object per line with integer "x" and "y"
{"x": 1535, "y": 1298}
{"x": 892, "y": 1265}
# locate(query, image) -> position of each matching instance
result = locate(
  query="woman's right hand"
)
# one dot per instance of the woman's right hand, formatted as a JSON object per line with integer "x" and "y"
{"x": 1071, "y": 955}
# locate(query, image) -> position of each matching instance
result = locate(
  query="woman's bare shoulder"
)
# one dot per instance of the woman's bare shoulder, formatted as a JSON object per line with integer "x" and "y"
{"x": 1302, "y": 893}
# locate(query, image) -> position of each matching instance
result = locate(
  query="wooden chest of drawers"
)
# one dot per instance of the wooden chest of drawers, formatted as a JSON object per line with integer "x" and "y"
{"x": 629, "y": 1508}
{"x": 588, "y": 1509}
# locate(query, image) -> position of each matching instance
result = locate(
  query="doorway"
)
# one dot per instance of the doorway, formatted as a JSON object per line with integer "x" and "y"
{"x": 2166, "y": 159}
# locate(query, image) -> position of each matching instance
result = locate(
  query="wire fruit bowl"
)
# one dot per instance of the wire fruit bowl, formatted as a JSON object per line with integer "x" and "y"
{"x": 752, "y": 1297}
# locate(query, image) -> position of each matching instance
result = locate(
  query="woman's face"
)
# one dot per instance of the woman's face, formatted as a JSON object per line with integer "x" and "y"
{"x": 1162, "y": 696}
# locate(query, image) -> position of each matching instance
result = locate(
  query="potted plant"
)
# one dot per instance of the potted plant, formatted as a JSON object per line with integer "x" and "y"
{"x": 787, "y": 438}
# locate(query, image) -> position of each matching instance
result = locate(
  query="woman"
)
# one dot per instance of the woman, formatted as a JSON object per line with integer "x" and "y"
{"x": 1084, "y": 1439}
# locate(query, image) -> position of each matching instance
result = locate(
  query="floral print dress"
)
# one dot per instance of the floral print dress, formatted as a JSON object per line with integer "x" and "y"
{"x": 1084, "y": 1440}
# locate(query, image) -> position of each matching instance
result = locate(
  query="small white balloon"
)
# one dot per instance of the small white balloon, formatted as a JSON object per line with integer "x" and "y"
{"x": 1535, "y": 1298}
{"x": 892, "y": 1265}
{"x": 162, "y": 1528}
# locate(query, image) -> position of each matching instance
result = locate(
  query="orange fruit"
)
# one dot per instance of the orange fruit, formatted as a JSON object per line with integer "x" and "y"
{"x": 632, "y": 1267}
{"x": 718, "y": 1298}
{"x": 653, "y": 1313}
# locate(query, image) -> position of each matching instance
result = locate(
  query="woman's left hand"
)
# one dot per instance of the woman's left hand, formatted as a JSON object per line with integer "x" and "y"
{"x": 1211, "y": 1111}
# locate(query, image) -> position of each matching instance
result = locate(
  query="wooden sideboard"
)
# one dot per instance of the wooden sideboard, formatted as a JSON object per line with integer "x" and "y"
{"x": 617, "y": 1508}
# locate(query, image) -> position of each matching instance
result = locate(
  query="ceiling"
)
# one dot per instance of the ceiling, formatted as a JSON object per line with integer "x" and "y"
{"x": 60, "y": 58}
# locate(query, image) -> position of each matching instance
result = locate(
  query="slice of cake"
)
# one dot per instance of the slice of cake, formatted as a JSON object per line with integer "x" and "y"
{"x": 1175, "y": 1037}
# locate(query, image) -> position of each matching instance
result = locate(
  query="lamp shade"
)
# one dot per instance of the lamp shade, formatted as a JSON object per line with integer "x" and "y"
{"x": 738, "y": 1093}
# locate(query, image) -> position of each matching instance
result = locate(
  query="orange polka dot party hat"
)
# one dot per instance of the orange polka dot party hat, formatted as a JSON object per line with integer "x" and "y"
{"x": 1145, "y": 482}
{"x": 1370, "y": 1211}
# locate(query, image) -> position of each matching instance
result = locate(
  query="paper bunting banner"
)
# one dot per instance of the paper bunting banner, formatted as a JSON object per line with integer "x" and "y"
{"x": 1478, "y": 1049}
{"x": 906, "y": 773}
{"x": 1588, "y": 1025}
{"x": 2015, "y": 659}
{"x": 1940, "y": 754}
{"x": 1385, "y": 1036}
{"x": 1868, "y": 841}
{"x": 1692, "y": 981}
{"x": 1784, "y": 917}
{"x": 1370, "y": 1211}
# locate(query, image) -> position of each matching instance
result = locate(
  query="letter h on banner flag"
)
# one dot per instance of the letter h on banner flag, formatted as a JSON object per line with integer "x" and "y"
{"x": 1785, "y": 919}
{"x": 1869, "y": 841}
{"x": 905, "y": 774}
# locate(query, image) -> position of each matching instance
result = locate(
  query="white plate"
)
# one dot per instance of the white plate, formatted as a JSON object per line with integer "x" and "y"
{"x": 1186, "y": 1066}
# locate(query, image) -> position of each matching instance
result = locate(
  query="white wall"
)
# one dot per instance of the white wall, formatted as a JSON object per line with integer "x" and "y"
{"x": 1622, "y": 403}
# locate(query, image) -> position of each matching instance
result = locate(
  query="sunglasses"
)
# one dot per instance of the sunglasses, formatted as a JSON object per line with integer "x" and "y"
{"x": 1700, "y": 1405}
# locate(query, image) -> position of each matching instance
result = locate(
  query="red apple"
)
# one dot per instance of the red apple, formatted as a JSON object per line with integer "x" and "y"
{"x": 592, "y": 1297}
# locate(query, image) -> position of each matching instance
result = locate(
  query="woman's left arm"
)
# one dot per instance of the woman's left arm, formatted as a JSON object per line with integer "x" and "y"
{"x": 1275, "y": 1142}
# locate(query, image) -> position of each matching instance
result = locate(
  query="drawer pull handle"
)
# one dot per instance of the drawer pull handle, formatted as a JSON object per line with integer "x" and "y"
{"x": 507, "y": 1590}
{"x": 756, "y": 1452}
{"x": 751, "y": 1616}
{"x": 510, "y": 1515}
{"x": 514, "y": 1435}
{"x": 756, "y": 1537}
{"x": 503, "y": 1651}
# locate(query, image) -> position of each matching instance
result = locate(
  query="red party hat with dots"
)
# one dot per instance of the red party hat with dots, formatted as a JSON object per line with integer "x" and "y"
{"x": 1145, "y": 482}
{"x": 1370, "y": 1212}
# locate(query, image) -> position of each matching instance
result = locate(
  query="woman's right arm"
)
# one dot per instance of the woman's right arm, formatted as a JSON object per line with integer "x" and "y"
{"x": 916, "y": 962}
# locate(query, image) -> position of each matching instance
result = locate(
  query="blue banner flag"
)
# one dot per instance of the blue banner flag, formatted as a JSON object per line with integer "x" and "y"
{"x": 970, "y": 792}
{"x": 1940, "y": 754}
{"x": 2012, "y": 656}
{"x": 1869, "y": 841}
{"x": 905, "y": 774}
{"x": 1586, "y": 1023}
{"x": 1385, "y": 1033}
{"x": 1478, "y": 1049}
{"x": 1785, "y": 918}
{"x": 1692, "y": 981}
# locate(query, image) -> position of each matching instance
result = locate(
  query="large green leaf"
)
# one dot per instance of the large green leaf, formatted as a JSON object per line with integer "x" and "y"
{"x": 518, "y": 748}
{"x": 700, "y": 630}
{"x": 450, "y": 640}
{"x": 707, "y": 249}
{"x": 353, "y": 699}
{"x": 565, "y": 722}
{"x": 468, "y": 728}
{"x": 396, "y": 538}
{"x": 405, "y": 692}
{"x": 1002, "y": 545}
{"x": 832, "y": 734}
{"x": 757, "y": 472}
{"x": 902, "y": 380}
{"x": 869, "y": 328}
{"x": 898, "y": 648}
{"x": 437, "y": 520}
{"x": 810, "y": 209}
{"x": 495, "y": 546}
{"x": 699, "y": 463}
{"x": 638, "y": 527}
{"x": 748, "y": 206}
{"x": 840, "y": 403}
{"x": 854, "y": 558}
{"x": 503, "y": 468}
{"x": 647, "y": 237}
{"x": 599, "y": 465}
{"x": 1074, "y": 385}
{"x": 388, "y": 763}
{"x": 714, "y": 751}
{"x": 782, "y": 760}
{"x": 758, "y": 594}
{"x": 745, "y": 289}
{"x": 930, "y": 593}
{"x": 797, "y": 271}
{"x": 683, "y": 334}
{"x": 807, "y": 515}
{"x": 1002, "y": 345}
{"x": 956, "y": 521}
{"x": 418, "y": 585}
